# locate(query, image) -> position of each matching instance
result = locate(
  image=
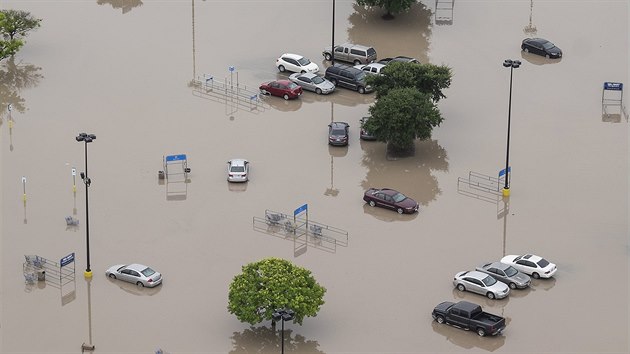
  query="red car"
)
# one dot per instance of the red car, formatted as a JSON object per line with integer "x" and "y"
{"x": 389, "y": 198}
{"x": 281, "y": 88}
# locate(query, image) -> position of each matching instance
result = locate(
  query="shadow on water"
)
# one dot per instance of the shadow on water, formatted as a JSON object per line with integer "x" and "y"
{"x": 14, "y": 77}
{"x": 135, "y": 289}
{"x": 467, "y": 339}
{"x": 388, "y": 215}
{"x": 538, "y": 60}
{"x": 124, "y": 5}
{"x": 411, "y": 28}
{"x": 414, "y": 173}
{"x": 267, "y": 340}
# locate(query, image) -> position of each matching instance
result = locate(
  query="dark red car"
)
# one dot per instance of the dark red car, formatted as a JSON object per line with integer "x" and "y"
{"x": 281, "y": 88}
{"x": 391, "y": 199}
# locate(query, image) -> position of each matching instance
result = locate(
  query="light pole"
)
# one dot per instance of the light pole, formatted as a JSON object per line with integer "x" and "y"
{"x": 283, "y": 315}
{"x": 332, "y": 43}
{"x": 86, "y": 138}
{"x": 512, "y": 64}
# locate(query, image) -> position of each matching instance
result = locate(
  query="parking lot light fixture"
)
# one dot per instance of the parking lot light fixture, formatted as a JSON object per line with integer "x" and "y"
{"x": 283, "y": 315}
{"x": 512, "y": 64}
{"x": 86, "y": 138}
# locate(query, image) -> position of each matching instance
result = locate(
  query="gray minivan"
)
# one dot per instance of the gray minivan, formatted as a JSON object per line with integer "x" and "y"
{"x": 348, "y": 77}
{"x": 352, "y": 53}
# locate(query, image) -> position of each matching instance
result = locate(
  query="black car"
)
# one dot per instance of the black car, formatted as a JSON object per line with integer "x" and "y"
{"x": 364, "y": 133}
{"x": 348, "y": 77}
{"x": 338, "y": 133}
{"x": 541, "y": 47}
{"x": 399, "y": 58}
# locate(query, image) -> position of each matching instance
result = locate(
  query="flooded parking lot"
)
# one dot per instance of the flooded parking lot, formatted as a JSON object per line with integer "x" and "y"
{"x": 133, "y": 74}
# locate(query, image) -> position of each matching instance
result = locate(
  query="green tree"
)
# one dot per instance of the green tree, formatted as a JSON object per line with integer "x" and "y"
{"x": 403, "y": 115}
{"x": 427, "y": 78}
{"x": 10, "y": 47}
{"x": 391, "y": 6}
{"x": 271, "y": 284}
{"x": 17, "y": 23}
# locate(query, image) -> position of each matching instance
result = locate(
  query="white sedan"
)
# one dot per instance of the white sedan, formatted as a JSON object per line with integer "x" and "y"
{"x": 295, "y": 63}
{"x": 531, "y": 264}
{"x": 238, "y": 170}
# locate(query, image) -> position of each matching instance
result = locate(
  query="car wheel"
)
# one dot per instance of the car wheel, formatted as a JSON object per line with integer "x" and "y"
{"x": 113, "y": 276}
{"x": 440, "y": 319}
{"x": 481, "y": 332}
{"x": 372, "y": 204}
{"x": 526, "y": 50}
{"x": 461, "y": 287}
{"x": 357, "y": 62}
{"x": 400, "y": 211}
{"x": 281, "y": 68}
{"x": 264, "y": 92}
{"x": 547, "y": 56}
{"x": 139, "y": 284}
{"x": 318, "y": 91}
{"x": 333, "y": 81}
{"x": 285, "y": 96}
{"x": 361, "y": 90}
{"x": 327, "y": 56}
{"x": 536, "y": 275}
{"x": 490, "y": 295}
{"x": 512, "y": 286}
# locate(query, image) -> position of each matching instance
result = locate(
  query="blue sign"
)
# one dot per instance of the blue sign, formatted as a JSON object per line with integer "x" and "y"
{"x": 179, "y": 157}
{"x": 502, "y": 172}
{"x": 67, "y": 259}
{"x": 613, "y": 86}
{"x": 300, "y": 209}
{"x": 231, "y": 68}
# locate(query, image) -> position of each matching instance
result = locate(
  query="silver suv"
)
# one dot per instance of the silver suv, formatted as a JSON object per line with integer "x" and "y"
{"x": 352, "y": 53}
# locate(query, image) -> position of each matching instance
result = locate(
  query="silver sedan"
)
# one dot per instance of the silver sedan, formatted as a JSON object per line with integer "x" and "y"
{"x": 138, "y": 274}
{"x": 507, "y": 274}
{"x": 312, "y": 82}
{"x": 480, "y": 283}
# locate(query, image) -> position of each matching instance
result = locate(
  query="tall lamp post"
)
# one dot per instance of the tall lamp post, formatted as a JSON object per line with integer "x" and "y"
{"x": 283, "y": 315}
{"x": 332, "y": 43}
{"x": 86, "y": 138}
{"x": 512, "y": 64}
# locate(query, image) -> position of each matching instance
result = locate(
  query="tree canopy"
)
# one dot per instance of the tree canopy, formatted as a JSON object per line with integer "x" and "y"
{"x": 271, "y": 284}
{"x": 427, "y": 78}
{"x": 391, "y": 6}
{"x": 17, "y": 23}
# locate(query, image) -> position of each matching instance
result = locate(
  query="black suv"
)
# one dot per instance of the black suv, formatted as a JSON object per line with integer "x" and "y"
{"x": 348, "y": 77}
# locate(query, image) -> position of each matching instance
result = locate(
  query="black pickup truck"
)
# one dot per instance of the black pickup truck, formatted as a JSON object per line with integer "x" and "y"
{"x": 468, "y": 316}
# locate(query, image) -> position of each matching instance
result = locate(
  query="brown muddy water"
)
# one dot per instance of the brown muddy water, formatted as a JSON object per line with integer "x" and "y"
{"x": 126, "y": 70}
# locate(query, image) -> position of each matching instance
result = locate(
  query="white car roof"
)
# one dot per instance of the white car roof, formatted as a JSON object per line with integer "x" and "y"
{"x": 292, "y": 56}
{"x": 238, "y": 162}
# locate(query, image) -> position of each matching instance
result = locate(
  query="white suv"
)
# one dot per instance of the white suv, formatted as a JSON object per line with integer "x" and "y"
{"x": 295, "y": 63}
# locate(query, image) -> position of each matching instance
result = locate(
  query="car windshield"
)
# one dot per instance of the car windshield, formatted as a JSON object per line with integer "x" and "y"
{"x": 237, "y": 169}
{"x": 148, "y": 272}
{"x": 542, "y": 263}
{"x": 371, "y": 51}
{"x": 548, "y": 45}
{"x": 399, "y": 197}
{"x": 317, "y": 80}
{"x": 292, "y": 85}
{"x": 510, "y": 271}
{"x": 488, "y": 281}
{"x": 303, "y": 61}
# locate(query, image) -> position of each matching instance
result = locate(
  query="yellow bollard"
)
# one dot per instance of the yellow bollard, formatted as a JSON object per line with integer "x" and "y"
{"x": 87, "y": 275}
{"x": 506, "y": 192}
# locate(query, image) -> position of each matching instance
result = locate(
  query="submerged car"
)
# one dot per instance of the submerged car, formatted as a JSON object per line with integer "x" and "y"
{"x": 238, "y": 170}
{"x": 338, "y": 133}
{"x": 540, "y": 46}
{"x": 531, "y": 264}
{"x": 281, "y": 88}
{"x": 312, "y": 82}
{"x": 480, "y": 283}
{"x": 364, "y": 133}
{"x": 391, "y": 199}
{"x": 138, "y": 274}
{"x": 506, "y": 274}
{"x": 295, "y": 63}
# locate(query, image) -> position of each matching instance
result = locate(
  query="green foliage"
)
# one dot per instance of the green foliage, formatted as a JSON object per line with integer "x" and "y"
{"x": 9, "y": 47}
{"x": 17, "y": 23}
{"x": 403, "y": 115}
{"x": 427, "y": 78}
{"x": 271, "y": 284}
{"x": 391, "y": 6}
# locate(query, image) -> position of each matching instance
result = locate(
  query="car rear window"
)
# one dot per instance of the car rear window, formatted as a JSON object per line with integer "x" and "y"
{"x": 237, "y": 169}
{"x": 292, "y": 85}
{"x": 337, "y": 131}
{"x": 543, "y": 263}
{"x": 371, "y": 52}
{"x": 147, "y": 272}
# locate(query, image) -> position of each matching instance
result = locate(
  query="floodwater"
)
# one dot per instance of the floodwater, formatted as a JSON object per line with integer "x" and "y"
{"x": 130, "y": 73}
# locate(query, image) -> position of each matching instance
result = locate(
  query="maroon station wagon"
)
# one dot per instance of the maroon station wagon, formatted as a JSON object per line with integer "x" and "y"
{"x": 392, "y": 199}
{"x": 281, "y": 88}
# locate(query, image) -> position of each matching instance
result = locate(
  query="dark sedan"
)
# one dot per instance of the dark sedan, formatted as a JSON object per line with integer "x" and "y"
{"x": 338, "y": 133}
{"x": 391, "y": 199}
{"x": 364, "y": 133}
{"x": 541, "y": 47}
{"x": 281, "y": 88}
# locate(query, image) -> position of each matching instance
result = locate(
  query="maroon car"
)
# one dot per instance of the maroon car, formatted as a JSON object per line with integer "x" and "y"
{"x": 281, "y": 88}
{"x": 389, "y": 198}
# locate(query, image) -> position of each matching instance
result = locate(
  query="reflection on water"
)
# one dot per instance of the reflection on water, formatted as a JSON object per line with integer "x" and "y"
{"x": 15, "y": 77}
{"x": 281, "y": 104}
{"x": 412, "y": 176}
{"x": 135, "y": 289}
{"x": 411, "y": 29}
{"x": 125, "y": 5}
{"x": 388, "y": 215}
{"x": 266, "y": 340}
{"x": 237, "y": 187}
{"x": 468, "y": 340}
{"x": 538, "y": 59}
{"x": 490, "y": 305}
